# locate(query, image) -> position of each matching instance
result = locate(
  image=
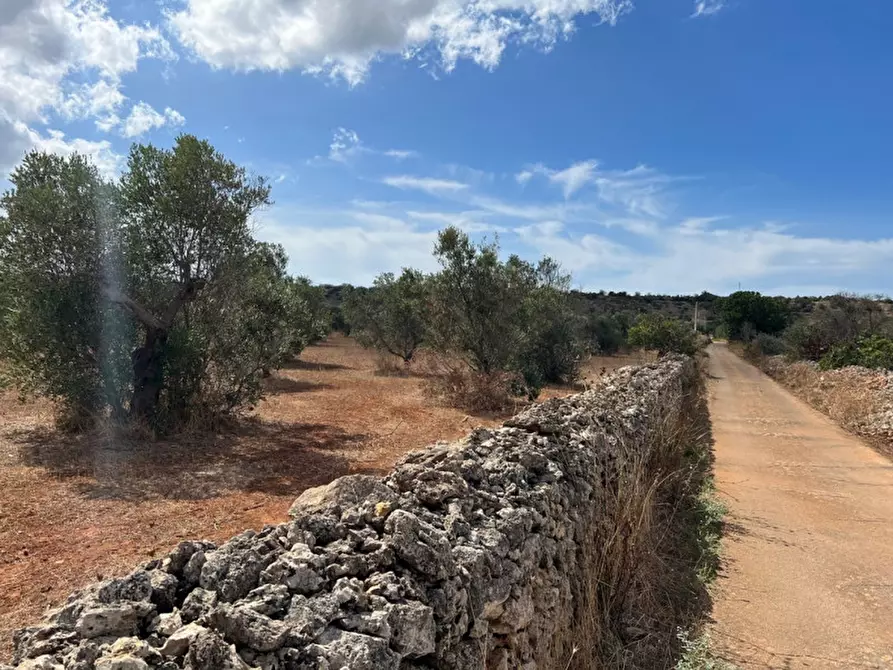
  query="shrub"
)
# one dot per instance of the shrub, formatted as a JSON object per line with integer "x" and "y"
{"x": 770, "y": 345}
{"x": 663, "y": 334}
{"x": 874, "y": 351}
{"x": 836, "y": 326}
{"x": 605, "y": 334}
{"x": 459, "y": 386}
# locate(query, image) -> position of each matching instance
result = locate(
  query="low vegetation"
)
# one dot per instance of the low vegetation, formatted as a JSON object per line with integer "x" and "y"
{"x": 846, "y": 330}
{"x": 663, "y": 334}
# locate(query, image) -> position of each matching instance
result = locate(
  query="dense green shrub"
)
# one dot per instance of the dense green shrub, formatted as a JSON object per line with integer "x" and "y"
{"x": 747, "y": 313}
{"x": 663, "y": 334}
{"x": 605, "y": 334}
{"x": 873, "y": 351}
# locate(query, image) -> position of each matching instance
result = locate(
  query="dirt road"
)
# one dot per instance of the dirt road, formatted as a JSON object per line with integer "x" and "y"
{"x": 808, "y": 576}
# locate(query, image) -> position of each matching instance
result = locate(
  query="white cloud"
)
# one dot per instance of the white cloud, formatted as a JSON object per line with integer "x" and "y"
{"x": 401, "y": 154}
{"x": 101, "y": 153}
{"x": 426, "y": 184}
{"x": 708, "y": 7}
{"x": 575, "y": 177}
{"x": 43, "y": 42}
{"x": 640, "y": 191}
{"x": 144, "y": 118}
{"x": 341, "y": 38}
{"x": 345, "y": 144}
{"x": 347, "y": 246}
{"x": 67, "y": 57}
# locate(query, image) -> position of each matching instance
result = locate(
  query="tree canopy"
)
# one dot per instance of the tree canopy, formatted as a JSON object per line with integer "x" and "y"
{"x": 746, "y": 313}
{"x": 146, "y": 297}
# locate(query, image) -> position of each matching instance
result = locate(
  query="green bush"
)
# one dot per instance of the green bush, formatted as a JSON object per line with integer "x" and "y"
{"x": 747, "y": 313}
{"x": 770, "y": 345}
{"x": 663, "y": 334}
{"x": 392, "y": 316}
{"x": 874, "y": 351}
{"x": 605, "y": 334}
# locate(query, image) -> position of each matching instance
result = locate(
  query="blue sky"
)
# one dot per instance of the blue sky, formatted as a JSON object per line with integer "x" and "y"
{"x": 655, "y": 145}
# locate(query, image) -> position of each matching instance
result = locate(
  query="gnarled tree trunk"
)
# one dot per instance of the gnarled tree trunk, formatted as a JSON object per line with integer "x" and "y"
{"x": 148, "y": 360}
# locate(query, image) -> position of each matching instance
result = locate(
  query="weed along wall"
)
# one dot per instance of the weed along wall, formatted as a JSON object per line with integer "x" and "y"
{"x": 513, "y": 548}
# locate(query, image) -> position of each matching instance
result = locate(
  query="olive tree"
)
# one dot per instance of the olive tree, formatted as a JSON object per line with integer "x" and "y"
{"x": 185, "y": 217}
{"x": 392, "y": 315}
{"x": 57, "y": 335}
{"x": 479, "y": 306}
{"x": 506, "y": 316}
{"x": 147, "y": 298}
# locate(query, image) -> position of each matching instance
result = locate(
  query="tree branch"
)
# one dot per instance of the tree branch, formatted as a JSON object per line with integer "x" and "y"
{"x": 143, "y": 315}
{"x": 187, "y": 294}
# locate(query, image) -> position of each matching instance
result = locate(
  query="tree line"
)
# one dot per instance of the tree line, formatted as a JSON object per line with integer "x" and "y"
{"x": 146, "y": 299}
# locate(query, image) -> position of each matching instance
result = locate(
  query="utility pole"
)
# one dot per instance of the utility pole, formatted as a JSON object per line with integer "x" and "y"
{"x": 696, "y": 316}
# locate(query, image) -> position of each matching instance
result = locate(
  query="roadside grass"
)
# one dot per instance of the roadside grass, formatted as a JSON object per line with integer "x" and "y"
{"x": 709, "y": 512}
{"x": 697, "y": 654}
{"x": 706, "y": 521}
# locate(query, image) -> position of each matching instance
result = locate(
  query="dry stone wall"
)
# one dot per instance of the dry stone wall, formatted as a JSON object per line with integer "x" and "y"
{"x": 469, "y": 555}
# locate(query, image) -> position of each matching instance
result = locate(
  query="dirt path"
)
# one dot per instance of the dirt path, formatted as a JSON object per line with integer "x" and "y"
{"x": 808, "y": 576}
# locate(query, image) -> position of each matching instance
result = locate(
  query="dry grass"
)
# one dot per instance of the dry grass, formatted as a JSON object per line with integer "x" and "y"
{"x": 647, "y": 560}
{"x": 74, "y": 509}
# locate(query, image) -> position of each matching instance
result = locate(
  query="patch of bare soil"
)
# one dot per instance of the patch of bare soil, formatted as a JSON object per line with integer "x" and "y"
{"x": 77, "y": 509}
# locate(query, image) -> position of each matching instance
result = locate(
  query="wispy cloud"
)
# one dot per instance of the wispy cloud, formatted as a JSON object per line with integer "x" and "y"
{"x": 575, "y": 177}
{"x": 401, "y": 154}
{"x": 470, "y": 222}
{"x": 345, "y": 146}
{"x": 708, "y": 7}
{"x": 426, "y": 184}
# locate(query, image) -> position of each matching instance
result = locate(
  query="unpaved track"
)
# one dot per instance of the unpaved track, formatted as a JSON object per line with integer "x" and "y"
{"x": 808, "y": 556}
